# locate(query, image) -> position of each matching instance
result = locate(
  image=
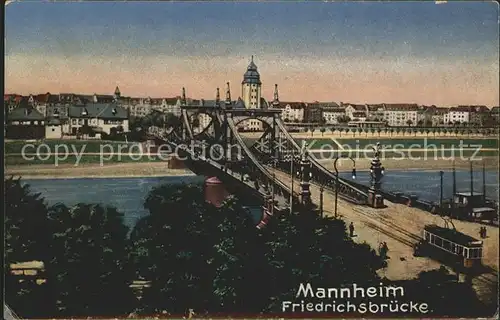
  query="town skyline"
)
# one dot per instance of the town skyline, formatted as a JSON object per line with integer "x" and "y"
{"x": 349, "y": 52}
{"x": 233, "y": 98}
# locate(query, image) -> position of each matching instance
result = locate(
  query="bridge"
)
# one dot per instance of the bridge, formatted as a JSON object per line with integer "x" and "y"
{"x": 247, "y": 165}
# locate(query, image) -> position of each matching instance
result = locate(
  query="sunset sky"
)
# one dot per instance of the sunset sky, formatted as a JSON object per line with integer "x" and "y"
{"x": 355, "y": 52}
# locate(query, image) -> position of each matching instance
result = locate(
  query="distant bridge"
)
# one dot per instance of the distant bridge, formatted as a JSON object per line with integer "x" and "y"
{"x": 248, "y": 169}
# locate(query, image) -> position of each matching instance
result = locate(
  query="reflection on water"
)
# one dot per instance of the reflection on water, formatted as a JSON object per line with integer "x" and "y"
{"x": 128, "y": 194}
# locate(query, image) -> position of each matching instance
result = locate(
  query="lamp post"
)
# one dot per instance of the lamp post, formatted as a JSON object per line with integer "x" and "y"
{"x": 337, "y": 178}
{"x": 441, "y": 173}
{"x": 376, "y": 173}
{"x": 292, "y": 174}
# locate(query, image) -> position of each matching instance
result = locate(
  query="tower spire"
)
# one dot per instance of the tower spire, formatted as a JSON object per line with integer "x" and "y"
{"x": 276, "y": 101}
{"x": 183, "y": 96}
{"x": 228, "y": 94}
{"x": 252, "y": 58}
{"x": 217, "y": 97}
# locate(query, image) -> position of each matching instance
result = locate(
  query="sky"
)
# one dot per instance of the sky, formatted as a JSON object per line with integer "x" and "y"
{"x": 358, "y": 52}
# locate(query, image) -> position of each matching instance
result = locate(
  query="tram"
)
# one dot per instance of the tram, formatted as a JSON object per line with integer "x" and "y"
{"x": 450, "y": 247}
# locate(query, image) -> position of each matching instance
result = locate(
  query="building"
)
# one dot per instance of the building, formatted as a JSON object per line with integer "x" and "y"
{"x": 25, "y": 123}
{"x": 293, "y": 111}
{"x": 313, "y": 113}
{"x": 457, "y": 115}
{"x": 495, "y": 115}
{"x": 358, "y": 116}
{"x": 53, "y": 128}
{"x": 11, "y": 101}
{"x": 399, "y": 115}
{"x": 438, "y": 115}
{"x": 350, "y": 109}
{"x": 101, "y": 117}
{"x": 331, "y": 115}
{"x": 478, "y": 115}
{"x": 251, "y": 87}
{"x": 424, "y": 115}
{"x": 375, "y": 112}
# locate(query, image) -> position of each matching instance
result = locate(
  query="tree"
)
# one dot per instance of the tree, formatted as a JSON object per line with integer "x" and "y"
{"x": 171, "y": 120}
{"x": 445, "y": 296}
{"x": 196, "y": 255}
{"x": 409, "y": 122}
{"x": 26, "y": 223}
{"x": 88, "y": 270}
{"x": 85, "y": 131}
{"x": 26, "y": 238}
{"x": 322, "y": 130}
{"x": 205, "y": 258}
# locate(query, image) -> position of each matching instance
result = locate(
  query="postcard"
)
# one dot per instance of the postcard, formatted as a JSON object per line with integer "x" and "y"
{"x": 281, "y": 159}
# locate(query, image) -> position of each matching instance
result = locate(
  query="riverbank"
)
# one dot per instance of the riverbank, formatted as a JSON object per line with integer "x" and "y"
{"x": 159, "y": 169}
{"x": 94, "y": 170}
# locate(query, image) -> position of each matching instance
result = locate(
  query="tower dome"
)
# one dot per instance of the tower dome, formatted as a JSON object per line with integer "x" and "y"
{"x": 251, "y": 76}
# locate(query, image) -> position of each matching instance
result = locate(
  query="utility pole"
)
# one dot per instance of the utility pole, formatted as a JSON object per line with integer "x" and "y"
{"x": 454, "y": 186}
{"x": 471, "y": 180}
{"x": 441, "y": 173}
{"x": 272, "y": 187}
{"x": 484, "y": 183}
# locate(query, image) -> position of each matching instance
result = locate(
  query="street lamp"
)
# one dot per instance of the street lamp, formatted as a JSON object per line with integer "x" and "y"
{"x": 337, "y": 178}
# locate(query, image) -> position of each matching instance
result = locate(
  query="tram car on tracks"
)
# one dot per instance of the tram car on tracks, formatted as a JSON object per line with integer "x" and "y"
{"x": 450, "y": 246}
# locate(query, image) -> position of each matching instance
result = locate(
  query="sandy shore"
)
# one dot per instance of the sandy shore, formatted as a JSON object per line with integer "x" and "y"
{"x": 66, "y": 171}
{"x": 159, "y": 169}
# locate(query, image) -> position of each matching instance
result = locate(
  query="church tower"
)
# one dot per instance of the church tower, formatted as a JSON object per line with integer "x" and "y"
{"x": 251, "y": 87}
{"x": 117, "y": 94}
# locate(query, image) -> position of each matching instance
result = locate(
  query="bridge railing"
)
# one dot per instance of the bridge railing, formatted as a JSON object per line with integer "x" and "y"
{"x": 265, "y": 174}
{"x": 324, "y": 176}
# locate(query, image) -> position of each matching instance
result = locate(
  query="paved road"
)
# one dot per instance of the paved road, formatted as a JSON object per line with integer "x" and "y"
{"x": 400, "y": 226}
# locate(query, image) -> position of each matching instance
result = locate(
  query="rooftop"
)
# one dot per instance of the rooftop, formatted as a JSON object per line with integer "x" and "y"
{"x": 98, "y": 110}
{"x": 25, "y": 114}
{"x": 452, "y": 235}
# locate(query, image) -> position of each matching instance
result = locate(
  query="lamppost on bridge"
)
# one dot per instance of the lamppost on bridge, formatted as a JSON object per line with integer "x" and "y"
{"x": 305, "y": 193}
{"x": 376, "y": 173}
{"x": 337, "y": 178}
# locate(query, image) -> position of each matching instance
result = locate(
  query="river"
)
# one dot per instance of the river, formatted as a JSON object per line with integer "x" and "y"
{"x": 128, "y": 194}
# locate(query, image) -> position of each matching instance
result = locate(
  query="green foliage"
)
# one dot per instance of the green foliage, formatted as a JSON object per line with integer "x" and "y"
{"x": 321, "y": 253}
{"x": 26, "y": 239}
{"x": 88, "y": 270}
{"x": 26, "y": 236}
{"x": 445, "y": 295}
{"x": 214, "y": 260}
{"x": 197, "y": 256}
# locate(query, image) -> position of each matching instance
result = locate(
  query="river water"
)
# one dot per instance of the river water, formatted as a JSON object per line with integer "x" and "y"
{"x": 128, "y": 194}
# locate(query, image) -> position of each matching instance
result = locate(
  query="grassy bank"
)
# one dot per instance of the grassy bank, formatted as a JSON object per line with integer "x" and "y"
{"x": 79, "y": 145}
{"x": 12, "y": 160}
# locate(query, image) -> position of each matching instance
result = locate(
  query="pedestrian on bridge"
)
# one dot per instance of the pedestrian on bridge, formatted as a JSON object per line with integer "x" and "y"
{"x": 351, "y": 229}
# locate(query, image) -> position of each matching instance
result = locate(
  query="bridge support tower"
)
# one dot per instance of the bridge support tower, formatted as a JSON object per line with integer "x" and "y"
{"x": 305, "y": 192}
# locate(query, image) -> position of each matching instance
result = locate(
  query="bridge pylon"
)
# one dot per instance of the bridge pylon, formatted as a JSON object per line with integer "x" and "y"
{"x": 305, "y": 192}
